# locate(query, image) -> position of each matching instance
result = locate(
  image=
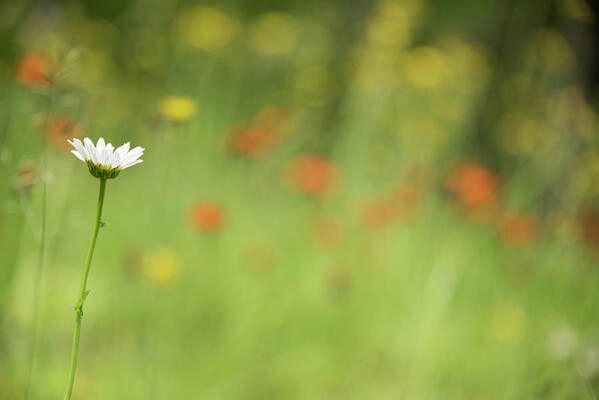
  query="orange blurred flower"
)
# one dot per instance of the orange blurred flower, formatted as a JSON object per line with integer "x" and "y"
{"x": 33, "y": 70}
{"x": 377, "y": 214}
{"x": 27, "y": 176}
{"x": 60, "y": 128}
{"x": 206, "y": 216}
{"x": 275, "y": 118}
{"x": 517, "y": 229}
{"x": 407, "y": 196}
{"x": 338, "y": 280}
{"x": 313, "y": 175}
{"x": 473, "y": 185}
{"x": 589, "y": 223}
{"x": 399, "y": 204}
{"x": 254, "y": 139}
{"x": 251, "y": 140}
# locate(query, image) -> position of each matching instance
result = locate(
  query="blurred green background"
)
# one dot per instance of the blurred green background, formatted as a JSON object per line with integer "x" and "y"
{"x": 375, "y": 199}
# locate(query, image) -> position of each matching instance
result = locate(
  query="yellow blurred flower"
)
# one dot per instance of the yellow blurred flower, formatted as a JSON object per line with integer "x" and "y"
{"x": 393, "y": 23}
{"x": 508, "y": 323}
{"x": 380, "y": 160}
{"x": 273, "y": 33}
{"x": 422, "y": 135}
{"x": 389, "y": 31}
{"x": 87, "y": 68}
{"x": 177, "y": 108}
{"x": 207, "y": 28}
{"x": 310, "y": 85}
{"x": 469, "y": 64}
{"x": 521, "y": 134}
{"x": 147, "y": 48}
{"x": 577, "y": 9}
{"x": 161, "y": 266}
{"x": 586, "y": 181}
{"x": 569, "y": 108}
{"x": 425, "y": 67}
{"x": 554, "y": 50}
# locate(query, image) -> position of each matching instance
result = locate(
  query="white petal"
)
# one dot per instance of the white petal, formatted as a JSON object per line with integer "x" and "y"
{"x": 136, "y": 152}
{"x": 137, "y": 149}
{"x": 91, "y": 150}
{"x": 105, "y": 157}
{"x": 79, "y": 156}
{"x": 100, "y": 146}
{"x": 132, "y": 155}
{"x": 76, "y": 143}
{"x": 109, "y": 154}
{"x": 124, "y": 149}
{"x": 130, "y": 164}
{"x": 120, "y": 152}
{"x": 115, "y": 160}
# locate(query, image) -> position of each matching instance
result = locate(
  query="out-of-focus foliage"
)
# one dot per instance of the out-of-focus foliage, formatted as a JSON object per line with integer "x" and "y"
{"x": 361, "y": 200}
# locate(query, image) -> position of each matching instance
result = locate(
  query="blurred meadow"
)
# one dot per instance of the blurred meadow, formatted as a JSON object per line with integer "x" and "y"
{"x": 375, "y": 199}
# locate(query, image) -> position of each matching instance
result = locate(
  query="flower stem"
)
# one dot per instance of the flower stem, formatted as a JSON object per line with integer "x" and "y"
{"x": 37, "y": 280}
{"x": 83, "y": 293}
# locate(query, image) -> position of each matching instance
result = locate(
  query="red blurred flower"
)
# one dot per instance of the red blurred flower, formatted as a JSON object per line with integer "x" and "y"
{"x": 251, "y": 140}
{"x": 59, "y": 129}
{"x": 473, "y": 185}
{"x": 399, "y": 204}
{"x": 254, "y": 139}
{"x": 33, "y": 70}
{"x": 314, "y": 175}
{"x": 377, "y": 214}
{"x": 27, "y": 176}
{"x": 206, "y": 216}
{"x": 274, "y": 118}
{"x": 517, "y": 229}
{"x": 589, "y": 223}
{"x": 338, "y": 280}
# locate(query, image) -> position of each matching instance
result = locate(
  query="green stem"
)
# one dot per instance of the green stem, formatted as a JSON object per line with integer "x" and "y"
{"x": 37, "y": 280}
{"x": 83, "y": 294}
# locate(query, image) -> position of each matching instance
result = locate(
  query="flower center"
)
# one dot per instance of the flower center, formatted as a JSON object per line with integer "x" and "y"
{"x": 102, "y": 171}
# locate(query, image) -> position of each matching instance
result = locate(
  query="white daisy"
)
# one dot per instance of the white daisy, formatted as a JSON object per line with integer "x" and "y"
{"x": 102, "y": 159}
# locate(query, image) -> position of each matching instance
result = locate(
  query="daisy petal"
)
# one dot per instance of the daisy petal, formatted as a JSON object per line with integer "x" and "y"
{"x": 100, "y": 146}
{"x": 91, "y": 150}
{"x": 106, "y": 156}
{"x": 76, "y": 143}
{"x": 79, "y": 156}
{"x": 132, "y": 163}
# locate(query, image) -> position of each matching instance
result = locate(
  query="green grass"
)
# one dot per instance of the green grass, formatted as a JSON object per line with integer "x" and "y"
{"x": 414, "y": 321}
{"x": 432, "y": 306}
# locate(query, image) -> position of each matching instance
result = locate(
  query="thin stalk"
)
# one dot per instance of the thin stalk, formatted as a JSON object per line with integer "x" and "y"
{"x": 83, "y": 294}
{"x": 37, "y": 280}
